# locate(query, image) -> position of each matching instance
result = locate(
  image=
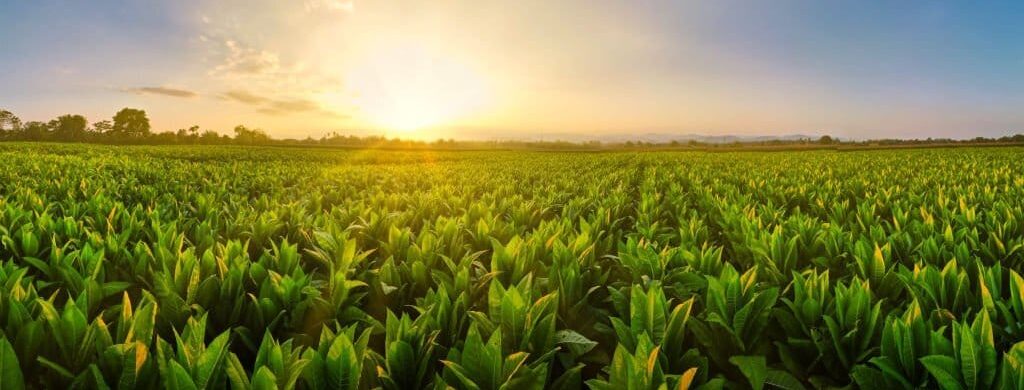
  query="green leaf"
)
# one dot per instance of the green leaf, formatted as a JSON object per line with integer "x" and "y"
{"x": 135, "y": 357}
{"x": 343, "y": 364}
{"x": 142, "y": 324}
{"x": 868, "y": 378}
{"x": 945, "y": 371}
{"x": 92, "y": 378}
{"x": 577, "y": 343}
{"x": 755, "y": 368}
{"x": 461, "y": 374}
{"x": 236, "y": 373}
{"x": 783, "y": 380}
{"x": 10, "y": 370}
{"x": 675, "y": 330}
{"x": 512, "y": 364}
{"x": 208, "y": 365}
{"x": 401, "y": 359}
{"x": 890, "y": 370}
{"x": 264, "y": 379}
{"x": 179, "y": 378}
{"x": 55, "y": 367}
{"x": 969, "y": 361}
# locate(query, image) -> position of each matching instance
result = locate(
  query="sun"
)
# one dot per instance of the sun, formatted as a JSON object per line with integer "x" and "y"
{"x": 409, "y": 89}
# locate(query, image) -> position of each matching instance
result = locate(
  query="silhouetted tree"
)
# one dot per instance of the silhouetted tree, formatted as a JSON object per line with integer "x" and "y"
{"x": 34, "y": 131}
{"x": 9, "y": 122}
{"x": 826, "y": 140}
{"x": 69, "y": 127}
{"x": 190, "y": 135}
{"x": 130, "y": 123}
{"x": 102, "y": 127}
{"x": 209, "y": 137}
{"x": 246, "y": 136}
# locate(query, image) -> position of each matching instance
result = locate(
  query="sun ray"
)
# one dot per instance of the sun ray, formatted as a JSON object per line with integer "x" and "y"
{"x": 407, "y": 88}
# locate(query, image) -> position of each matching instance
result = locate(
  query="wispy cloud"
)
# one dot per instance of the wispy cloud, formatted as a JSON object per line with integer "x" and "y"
{"x": 260, "y": 72}
{"x": 235, "y": 62}
{"x": 244, "y": 97}
{"x": 330, "y": 5}
{"x": 244, "y": 61}
{"x": 164, "y": 91}
{"x": 274, "y": 106}
{"x": 294, "y": 105}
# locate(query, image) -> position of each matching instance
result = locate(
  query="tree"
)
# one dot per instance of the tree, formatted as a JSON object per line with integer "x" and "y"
{"x": 192, "y": 134}
{"x": 102, "y": 127}
{"x": 209, "y": 137}
{"x": 131, "y": 123}
{"x": 8, "y": 121}
{"x": 826, "y": 140}
{"x": 69, "y": 127}
{"x": 246, "y": 136}
{"x": 34, "y": 131}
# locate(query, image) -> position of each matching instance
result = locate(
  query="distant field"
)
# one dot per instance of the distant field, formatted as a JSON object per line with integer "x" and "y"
{"x": 215, "y": 267}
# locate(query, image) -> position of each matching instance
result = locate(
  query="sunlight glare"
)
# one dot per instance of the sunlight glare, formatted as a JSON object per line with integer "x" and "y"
{"x": 408, "y": 88}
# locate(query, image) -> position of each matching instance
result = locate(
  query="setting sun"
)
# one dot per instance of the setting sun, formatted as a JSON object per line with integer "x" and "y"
{"x": 407, "y": 88}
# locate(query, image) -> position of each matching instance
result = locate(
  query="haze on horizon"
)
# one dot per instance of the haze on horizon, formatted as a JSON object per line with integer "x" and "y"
{"x": 419, "y": 69}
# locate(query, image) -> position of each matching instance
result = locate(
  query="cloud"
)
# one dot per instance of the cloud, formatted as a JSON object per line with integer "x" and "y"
{"x": 294, "y": 105}
{"x": 236, "y": 63}
{"x": 164, "y": 91}
{"x": 270, "y": 111}
{"x": 244, "y": 97}
{"x": 242, "y": 61}
{"x": 262, "y": 72}
{"x": 330, "y": 5}
{"x": 284, "y": 106}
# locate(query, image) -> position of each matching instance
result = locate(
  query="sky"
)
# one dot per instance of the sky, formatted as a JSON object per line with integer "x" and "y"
{"x": 519, "y": 69}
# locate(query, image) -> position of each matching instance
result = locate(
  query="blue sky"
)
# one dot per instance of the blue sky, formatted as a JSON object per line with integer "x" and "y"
{"x": 423, "y": 69}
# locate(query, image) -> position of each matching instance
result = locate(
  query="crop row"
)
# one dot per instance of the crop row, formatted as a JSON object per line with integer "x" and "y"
{"x": 285, "y": 268}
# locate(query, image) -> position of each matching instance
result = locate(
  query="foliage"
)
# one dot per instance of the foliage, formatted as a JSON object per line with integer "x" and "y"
{"x": 130, "y": 123}
{"x": 251, "y": 268}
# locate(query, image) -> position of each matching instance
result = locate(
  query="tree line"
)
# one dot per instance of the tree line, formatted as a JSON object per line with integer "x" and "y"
{"x": 131, "y": 126}
{"x": 128, "y": 126}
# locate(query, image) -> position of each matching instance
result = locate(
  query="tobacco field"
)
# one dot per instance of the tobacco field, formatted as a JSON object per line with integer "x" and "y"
{"x": 259, "y": 268}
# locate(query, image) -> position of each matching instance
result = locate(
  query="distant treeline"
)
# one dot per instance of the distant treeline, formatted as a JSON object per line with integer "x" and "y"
{"x": 131, "y": 126}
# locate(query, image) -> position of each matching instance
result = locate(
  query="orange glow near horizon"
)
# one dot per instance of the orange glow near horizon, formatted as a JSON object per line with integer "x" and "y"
{"x": 408, "y": 88}
{"x": 536, "y": 70}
